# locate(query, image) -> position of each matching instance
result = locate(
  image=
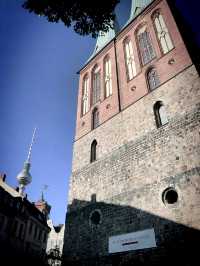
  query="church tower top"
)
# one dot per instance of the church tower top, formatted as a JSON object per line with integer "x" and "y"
{"x": 104, "y": 38}
{"x": 136, "y": 7}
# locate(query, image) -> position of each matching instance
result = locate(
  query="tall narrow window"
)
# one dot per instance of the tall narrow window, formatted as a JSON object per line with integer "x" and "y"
{"x": 160, "y": 114}
{"x": 40, "y": 234}
{"x": 96, "y": 85}
{"x": 15, "y": 228}
{"x": 129, "y": 58}
{"x": 85, "y": 97}
{"x": 2, "y": 221}
{"x": 93, "y": 151}
{"x": 95, "y": 118}
{"x": 145, "y": 46}
{"x": 152, "y": 78}
{"x": 44, "y": 236}
{"x": 35, "y": 233}
{"x": 162, "y": 33}
{"x": 107, "y": 77}
{"x": 30, "y": 228}
{"x": 21, "y": 229}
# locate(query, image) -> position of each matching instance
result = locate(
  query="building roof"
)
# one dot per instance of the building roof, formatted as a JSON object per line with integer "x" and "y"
{"x": 103, "y": 39}
{"x": 14, "y": 205}
{"x": 9, "y": 189}
{"x": 136, "y": 7}
{"x": 58, "y": 228}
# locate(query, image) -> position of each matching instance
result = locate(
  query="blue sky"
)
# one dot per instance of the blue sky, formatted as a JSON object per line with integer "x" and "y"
{"x": 38, "y": 87}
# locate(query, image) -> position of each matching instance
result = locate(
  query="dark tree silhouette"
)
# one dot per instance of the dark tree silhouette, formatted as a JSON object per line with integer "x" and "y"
{"x": 86, "y": 16}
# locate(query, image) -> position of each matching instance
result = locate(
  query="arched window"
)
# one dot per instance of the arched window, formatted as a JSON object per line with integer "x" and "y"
{"x": 145, "y": 45}
{"x": 160, "y": 114}
{"x": 93, "y": 152}
{"x": 107, "y": 77}
{"x": 162, "y": 33}
{"x": 96, "y": 85}
{"x": 85, "y": 96}
{"x": 95, "y": 118}
{"x": 129, "y": 59}
{"x": 2, "y": 222}
{"x": 152, "y": 78}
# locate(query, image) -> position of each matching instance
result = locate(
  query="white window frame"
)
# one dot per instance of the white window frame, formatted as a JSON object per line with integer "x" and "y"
{"x": 85, "y": 97}
{"x": 129, "y": 58}
{"x": 163, "y": 33}
{"x": 108, "y": 77}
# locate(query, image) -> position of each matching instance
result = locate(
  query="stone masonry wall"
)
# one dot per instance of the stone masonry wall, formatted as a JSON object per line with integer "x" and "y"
{"x": 179, "y": 95}
{"x": 136, "y": 163}
{"x": 152, "y": 163}
{"x": 172, "y": 224}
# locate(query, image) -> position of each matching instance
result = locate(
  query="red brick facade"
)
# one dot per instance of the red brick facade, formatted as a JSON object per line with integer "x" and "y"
{"x": 167, "y": 66}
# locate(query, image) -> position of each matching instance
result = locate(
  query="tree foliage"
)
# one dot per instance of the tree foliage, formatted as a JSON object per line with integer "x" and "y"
{"x": 86, "y": 16}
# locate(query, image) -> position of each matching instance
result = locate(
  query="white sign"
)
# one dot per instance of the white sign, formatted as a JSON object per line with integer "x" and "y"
{"x": 132, "y": 241}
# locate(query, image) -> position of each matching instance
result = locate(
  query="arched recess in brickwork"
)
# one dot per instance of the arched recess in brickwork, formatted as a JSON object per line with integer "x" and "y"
{"x": 160, "y": 114}
{"x": 95, "y": 218}
{"x": 96, "y": 84}
{"x": 85, "y": 95}
{"x": 95, "y": 118}
{"x": 93, "y": 151}
{"x": 107, "y": 76}
{"x": 162, "y": 32}
{"x": 129, "y": 58}
{"x": 145, "y": 44}
{"x": 152, "y": 78}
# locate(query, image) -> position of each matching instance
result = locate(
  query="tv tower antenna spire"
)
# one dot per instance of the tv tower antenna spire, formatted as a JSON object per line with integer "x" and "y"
{"x": 24, "y": 177}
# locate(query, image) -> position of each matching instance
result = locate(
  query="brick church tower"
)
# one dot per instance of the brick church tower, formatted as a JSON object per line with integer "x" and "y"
{"x": 135, "y": 184}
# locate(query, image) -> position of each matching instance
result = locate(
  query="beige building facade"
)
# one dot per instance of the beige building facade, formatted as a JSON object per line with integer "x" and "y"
{"x": 55, "y": 241}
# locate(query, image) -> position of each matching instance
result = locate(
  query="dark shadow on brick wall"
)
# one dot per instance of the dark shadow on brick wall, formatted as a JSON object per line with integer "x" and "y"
{"x": 87, "y": 244}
